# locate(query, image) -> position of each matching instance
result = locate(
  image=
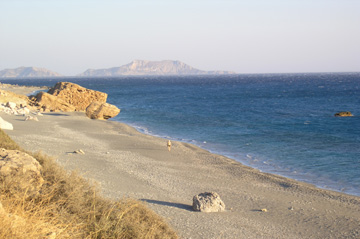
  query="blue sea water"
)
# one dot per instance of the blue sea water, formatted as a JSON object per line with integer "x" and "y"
{"x": 278, "y": 123}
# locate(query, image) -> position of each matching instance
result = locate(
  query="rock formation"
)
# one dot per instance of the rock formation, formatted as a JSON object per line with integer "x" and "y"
{"x": 49, "y": 103}
{"x": 69, "y": 97}
{"x": 76, "y": 95}
{"x": 208, "y": 202}
{"x": 5, "y": 125}
{"x": 103, "y": 111}
{"x": 21, "y": 170}
{"x": 343, "y": 114}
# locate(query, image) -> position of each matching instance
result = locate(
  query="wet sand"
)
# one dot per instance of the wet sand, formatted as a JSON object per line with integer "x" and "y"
{"x": 126, "y": 163}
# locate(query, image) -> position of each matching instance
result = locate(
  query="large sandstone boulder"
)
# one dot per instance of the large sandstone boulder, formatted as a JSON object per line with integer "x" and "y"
{"x": 208, "y": 202}
{"x": 21, "y": 170}
{"x": 50, "y": 103}
{"x": 76, "y": 95}
{"x": 344, "y": 114}
{"x": 103, "y": 111}
{"x": 5, "y": 125}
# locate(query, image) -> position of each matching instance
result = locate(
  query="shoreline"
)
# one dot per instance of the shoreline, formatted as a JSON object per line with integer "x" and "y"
{"x": 263, "y": 169}
{"x": 128, "y": 163}
{"x": 268, "y": 159}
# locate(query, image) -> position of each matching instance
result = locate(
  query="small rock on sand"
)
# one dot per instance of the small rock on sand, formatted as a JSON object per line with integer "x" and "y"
{"x": 79, "y": 151}
{"x": 33, "y": 118}
{"x": 208, "y": 202}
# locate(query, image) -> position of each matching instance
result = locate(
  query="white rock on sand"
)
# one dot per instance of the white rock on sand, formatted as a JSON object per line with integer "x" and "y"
{"x": 33, "y": 118}
{"x": 5, "y": 125}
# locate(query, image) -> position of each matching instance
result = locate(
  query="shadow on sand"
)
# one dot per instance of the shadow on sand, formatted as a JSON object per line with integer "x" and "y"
{"x": 56, "y": 114}
{"x": 169, "y": 204}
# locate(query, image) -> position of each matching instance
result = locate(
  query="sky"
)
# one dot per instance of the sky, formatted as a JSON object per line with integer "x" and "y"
{"x": 245, "y": 36}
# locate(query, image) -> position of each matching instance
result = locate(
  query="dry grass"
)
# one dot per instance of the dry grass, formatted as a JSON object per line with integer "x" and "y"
{"x": 70, "y": 207}
{"x": 6, "y": 142}
{"x": 33, "y": 219}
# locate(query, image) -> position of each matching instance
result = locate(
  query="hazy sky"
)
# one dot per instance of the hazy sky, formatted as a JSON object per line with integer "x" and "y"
{"x": 246, "y": 36}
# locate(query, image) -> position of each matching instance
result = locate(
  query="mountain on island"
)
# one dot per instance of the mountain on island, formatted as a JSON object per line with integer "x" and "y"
{"x": 140, "y": 67}
{"x": 23, "y": 72}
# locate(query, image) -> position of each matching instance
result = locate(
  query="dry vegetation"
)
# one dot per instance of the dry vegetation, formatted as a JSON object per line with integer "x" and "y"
{"x": 69, "y": 207}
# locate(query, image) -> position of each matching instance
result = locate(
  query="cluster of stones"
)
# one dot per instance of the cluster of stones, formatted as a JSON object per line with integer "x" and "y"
{"x": 69, "y": 97}
{"x": 11, "y": 108}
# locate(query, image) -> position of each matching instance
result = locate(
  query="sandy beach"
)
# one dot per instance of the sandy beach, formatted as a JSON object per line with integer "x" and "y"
{"x": 21, "y": 90}
{"x": 126, "y": 163}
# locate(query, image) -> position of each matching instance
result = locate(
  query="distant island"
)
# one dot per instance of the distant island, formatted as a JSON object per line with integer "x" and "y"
{"x": 141, "y": 67}
{"x": 25, "y": 72}
{"x": 135, "y": 68}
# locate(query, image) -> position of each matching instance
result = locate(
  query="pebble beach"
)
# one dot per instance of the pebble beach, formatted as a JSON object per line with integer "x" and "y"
{"x": 126, "y": 163}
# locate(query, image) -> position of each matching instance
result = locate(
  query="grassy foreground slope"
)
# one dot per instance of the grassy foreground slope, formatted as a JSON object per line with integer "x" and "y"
{"x": 69, "y": 207}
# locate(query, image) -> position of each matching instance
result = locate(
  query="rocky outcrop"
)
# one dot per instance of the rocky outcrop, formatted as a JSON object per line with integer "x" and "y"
{"x": 5, "y": 125}
{"x": 103, "y": 111}
{"x": 208, "y": 202}
{"x": 20, "y": 170}
{"x": 76, "y": 95}
{"x": 68, "y": 97}
{"x": 344, "y": 114}
{"x": 49, "y": 103}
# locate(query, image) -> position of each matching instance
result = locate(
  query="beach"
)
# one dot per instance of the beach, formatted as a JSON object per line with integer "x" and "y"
{"x": 126, "y": 163}
{"x": 21, "y": 90}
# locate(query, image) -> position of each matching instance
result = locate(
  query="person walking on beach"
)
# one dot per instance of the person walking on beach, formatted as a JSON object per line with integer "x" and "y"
{"x": 169, "y": 145}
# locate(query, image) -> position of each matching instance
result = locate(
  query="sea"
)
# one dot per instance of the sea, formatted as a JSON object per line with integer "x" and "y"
{"x": 278, "y": 123}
